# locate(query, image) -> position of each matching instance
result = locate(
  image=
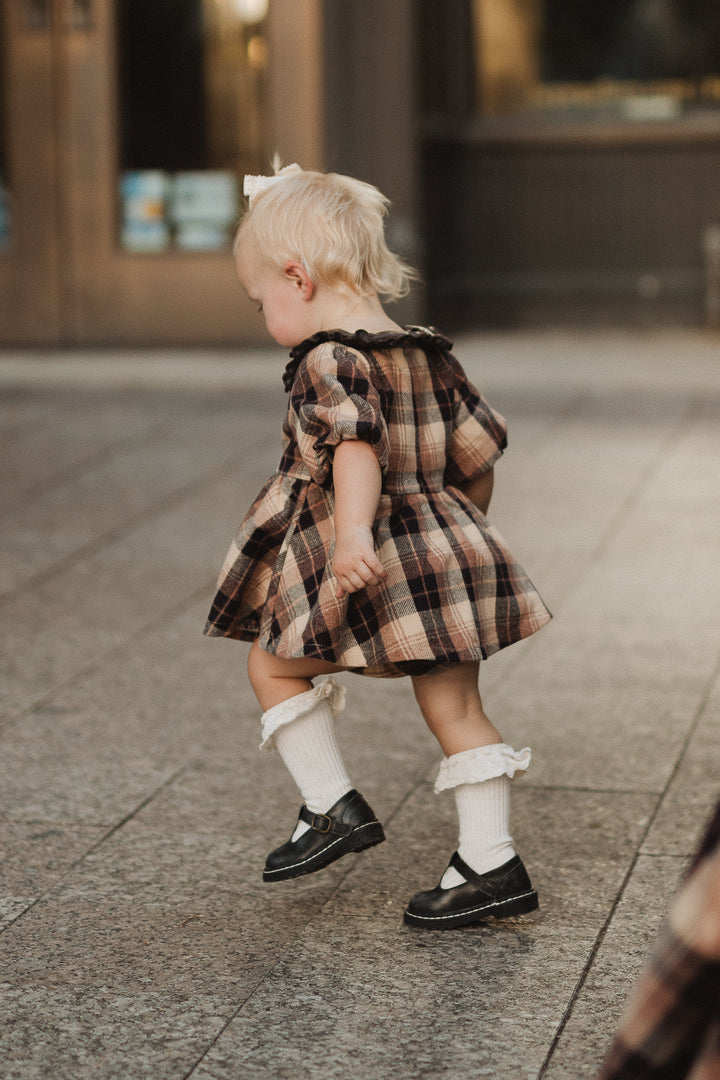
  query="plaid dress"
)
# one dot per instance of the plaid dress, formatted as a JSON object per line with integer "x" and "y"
{"x": 453, "y": 590}
{"x": 671, "y": 1026}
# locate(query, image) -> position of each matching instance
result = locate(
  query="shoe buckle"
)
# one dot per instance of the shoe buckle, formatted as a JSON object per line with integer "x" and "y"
{"x": 321, "y": 823}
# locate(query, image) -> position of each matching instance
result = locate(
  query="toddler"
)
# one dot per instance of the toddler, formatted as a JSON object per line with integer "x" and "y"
{"x": 369, "y": 550}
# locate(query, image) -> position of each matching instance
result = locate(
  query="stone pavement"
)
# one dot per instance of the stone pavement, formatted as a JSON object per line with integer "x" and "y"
{"x": 138, "y": 940}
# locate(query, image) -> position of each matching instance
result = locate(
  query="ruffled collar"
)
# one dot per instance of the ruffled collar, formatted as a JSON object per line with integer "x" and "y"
{"x": 421, "y": 336}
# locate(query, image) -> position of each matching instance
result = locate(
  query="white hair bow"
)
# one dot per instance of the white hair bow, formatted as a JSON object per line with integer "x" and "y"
{"x": 253, "y": 185}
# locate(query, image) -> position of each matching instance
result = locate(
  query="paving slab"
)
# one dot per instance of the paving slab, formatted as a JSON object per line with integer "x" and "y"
{"x": 693, "y": 790}
{"x": 67, "y": 622}
{"x": 104, "y": 496}
{"x": 36, "y": 855}
{"x": 607, "y": 984}
{"x": 52, "y": 438}
{"x": 592, "y": 678}
{"x": 350, "y": 994}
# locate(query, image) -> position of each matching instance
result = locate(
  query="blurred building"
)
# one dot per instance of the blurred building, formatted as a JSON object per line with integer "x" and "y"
{"x": 549, "y": 161}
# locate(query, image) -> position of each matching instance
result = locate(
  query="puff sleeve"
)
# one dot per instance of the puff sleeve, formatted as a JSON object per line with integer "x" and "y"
{"x": 479, "y": 433}
{"x": 333, "y": 399}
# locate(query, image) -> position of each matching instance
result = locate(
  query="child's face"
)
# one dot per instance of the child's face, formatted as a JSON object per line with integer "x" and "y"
{"x": 280, "y": 296}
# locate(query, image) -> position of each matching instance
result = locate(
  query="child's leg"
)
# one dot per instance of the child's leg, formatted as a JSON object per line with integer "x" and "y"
{"x": 299, "y": 722}
{"x": 474, "y": 766}
{"x": 452, "y": 708}
{"x": 485, "y": 875}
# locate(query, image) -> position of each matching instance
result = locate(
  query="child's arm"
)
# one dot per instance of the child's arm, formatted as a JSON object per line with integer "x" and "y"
{"x": 357, "y": 481}
{"x": 479, "y": 490}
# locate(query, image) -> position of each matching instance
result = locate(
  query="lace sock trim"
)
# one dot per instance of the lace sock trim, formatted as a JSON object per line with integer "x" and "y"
{"x": 298, "y": 706}
{"x": 482, "y": 763}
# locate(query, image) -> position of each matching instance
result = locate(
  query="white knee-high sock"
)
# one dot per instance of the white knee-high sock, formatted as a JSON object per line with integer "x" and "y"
{"x": 481, "y": 782}
{"x": 312, "y": 757}
{"x": 302, "y": 730}
{"x": 484, "y": 819}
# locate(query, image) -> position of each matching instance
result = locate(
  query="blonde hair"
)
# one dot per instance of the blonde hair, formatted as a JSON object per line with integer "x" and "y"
{"x": 333, "y": 225}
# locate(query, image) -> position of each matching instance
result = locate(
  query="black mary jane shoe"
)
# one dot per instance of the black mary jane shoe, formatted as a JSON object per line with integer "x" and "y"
{"x": 349, "y": 825}
{"x": 499, "y": 893}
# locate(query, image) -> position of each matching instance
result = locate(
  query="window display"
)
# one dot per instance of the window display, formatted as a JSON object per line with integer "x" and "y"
{"x": 191, "y": 82}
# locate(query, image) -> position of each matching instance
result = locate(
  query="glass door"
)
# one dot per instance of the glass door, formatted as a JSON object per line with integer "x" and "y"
{"x": 126, "y": 127}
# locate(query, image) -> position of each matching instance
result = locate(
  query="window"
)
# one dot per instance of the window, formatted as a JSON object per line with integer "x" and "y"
{"x": 639, "y": 59}
{"x": 191, "y": 88}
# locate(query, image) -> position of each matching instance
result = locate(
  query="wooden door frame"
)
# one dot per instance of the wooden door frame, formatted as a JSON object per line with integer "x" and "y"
{"x": 30, "y": 306}
{"x": 90, "y": 291}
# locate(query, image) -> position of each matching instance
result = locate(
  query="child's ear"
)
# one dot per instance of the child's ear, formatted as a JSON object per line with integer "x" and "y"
{"x": 300, "y": 278}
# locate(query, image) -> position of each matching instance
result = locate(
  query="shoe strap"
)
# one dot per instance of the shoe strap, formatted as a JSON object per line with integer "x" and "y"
{"x": 467, "y": 872}
{"x": 490, "y": 881}
{"x": 323, "y": 823}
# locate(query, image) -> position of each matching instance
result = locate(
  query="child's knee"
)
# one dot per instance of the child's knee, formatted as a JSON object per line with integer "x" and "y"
{"x": 450, "y": 694}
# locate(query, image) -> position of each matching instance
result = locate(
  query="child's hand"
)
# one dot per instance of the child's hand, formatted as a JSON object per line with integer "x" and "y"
{"x": 355, "y": 563}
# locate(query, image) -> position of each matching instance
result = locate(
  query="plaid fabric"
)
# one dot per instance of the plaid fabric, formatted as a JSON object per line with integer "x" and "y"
{"x": 671, "y": 1029}
{"x": 453, "y": 592}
